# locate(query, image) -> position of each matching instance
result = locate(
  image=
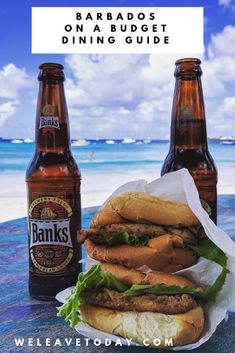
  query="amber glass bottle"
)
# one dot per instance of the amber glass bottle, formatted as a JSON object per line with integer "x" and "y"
{"x": 188, "y": 143}
{"x": 53, "y": 185}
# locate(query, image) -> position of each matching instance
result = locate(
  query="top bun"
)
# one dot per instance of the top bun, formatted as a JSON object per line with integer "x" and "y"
{"x": 140, "y": 207}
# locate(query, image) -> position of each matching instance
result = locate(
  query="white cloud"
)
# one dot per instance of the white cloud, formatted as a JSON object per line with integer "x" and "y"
{"x": 131, "y": 95}
{"x": 219, "y": 68}
{"x": 225, "y": 117}
{"x": 219, "y": 82}
{"x": 227, "y": 109}
{"x": 160, "y": 69}
{"x": 143, "y": 121}
{"x": 119, "y": 95}
{"x": 217, "y": 73}
{"x": 12, "y": 80}
{"x": 222, "y": 44}
{"x": 225, "y": 2}
{"x": 107, "y": 80}
{"x": 7, "y": 110}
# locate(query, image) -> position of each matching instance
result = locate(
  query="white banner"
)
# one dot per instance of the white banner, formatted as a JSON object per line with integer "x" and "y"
{"x": 117, "y": 30}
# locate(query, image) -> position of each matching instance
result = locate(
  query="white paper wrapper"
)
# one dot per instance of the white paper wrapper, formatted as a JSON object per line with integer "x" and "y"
{"x": 179, "y": 186}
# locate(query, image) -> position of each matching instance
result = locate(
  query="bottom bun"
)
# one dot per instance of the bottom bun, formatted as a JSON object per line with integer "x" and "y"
{"x": 145, "y": 327}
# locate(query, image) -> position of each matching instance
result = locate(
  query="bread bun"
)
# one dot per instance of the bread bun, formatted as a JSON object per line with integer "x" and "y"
{"x": 181, "y": 328}
{"x": 163, "y": 256}
{"x": 123, "y": 274}
{"x": 131, "y": 276}
{"x": 140, "y": 207}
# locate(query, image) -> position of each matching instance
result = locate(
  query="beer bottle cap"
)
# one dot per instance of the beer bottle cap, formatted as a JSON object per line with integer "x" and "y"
{"x": 188, "y": 68}
{"x": 51, "y": 73}
{"x": 188, "y": 61}
{"x": 51, "y": 65}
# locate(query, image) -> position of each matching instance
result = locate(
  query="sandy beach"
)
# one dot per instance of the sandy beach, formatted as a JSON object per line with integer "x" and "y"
{"x": 95, "y": 189}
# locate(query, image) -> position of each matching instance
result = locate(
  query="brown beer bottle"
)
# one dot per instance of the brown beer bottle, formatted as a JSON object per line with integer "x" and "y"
{"x": 188, "y": 144}
{"x": 53, "y": 185}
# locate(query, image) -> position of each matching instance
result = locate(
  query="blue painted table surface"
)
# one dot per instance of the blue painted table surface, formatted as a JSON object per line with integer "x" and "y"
{"x": 23, "y": 317}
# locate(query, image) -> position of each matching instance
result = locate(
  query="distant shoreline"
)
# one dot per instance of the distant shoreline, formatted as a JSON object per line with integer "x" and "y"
{"x": 118, "y": 140}
{"x": 95, "y": 140}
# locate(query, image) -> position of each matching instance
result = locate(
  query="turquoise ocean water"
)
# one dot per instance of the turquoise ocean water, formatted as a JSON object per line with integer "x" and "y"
{"x": 99, "y": 157}
{"x": 104, "y": 168}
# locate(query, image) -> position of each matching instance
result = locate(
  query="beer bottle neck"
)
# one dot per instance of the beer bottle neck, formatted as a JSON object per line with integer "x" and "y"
{"x": 52, "y": 125}
{"x": 188, "y": 125}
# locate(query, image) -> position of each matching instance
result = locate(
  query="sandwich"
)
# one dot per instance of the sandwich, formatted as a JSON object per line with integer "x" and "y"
{"x": 117, "y": 297}
{"x": 135, "y": 229}
{"x": 137, "y": 306}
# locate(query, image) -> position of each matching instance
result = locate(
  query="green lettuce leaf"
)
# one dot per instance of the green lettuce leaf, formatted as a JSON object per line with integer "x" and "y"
{"x": 210, "y": 251}
{"x": 94, "y": 278}
{"x": 207, "y": 249}
{"x": 160, "y": 289}
{"x": 207, "y": 295}
{"x": 211, "y": 293}
{"x": 118, "y": 238}
{"x": 126, "y": 238}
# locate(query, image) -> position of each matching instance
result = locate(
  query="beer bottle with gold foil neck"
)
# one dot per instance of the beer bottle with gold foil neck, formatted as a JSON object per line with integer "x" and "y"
{"x": 53, "y": 185}
{"x": 188, "y": 143}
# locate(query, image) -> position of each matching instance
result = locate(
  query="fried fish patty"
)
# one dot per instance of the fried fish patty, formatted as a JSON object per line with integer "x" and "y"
{"x": 102, "y": 234}
{"x": 165, "y": 304}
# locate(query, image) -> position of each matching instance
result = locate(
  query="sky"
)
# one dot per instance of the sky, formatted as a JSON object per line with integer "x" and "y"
{"x": 115, "y": 96}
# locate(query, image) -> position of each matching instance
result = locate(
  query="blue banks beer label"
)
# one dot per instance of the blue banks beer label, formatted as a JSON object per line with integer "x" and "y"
{"x": 49, "y": 121}
{"x": 49, "y": 118}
